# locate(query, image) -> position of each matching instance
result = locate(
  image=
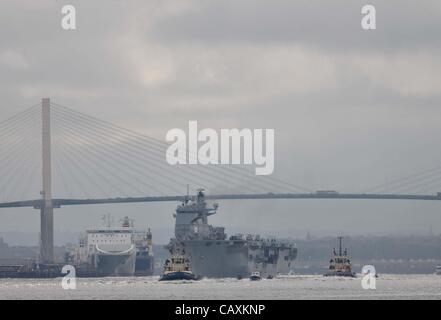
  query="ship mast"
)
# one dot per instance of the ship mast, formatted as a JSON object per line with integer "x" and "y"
{"x": 187, "y": 198}
{"x": 339, "y": 248}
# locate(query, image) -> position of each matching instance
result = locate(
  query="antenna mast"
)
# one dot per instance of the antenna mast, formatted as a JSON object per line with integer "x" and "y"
{"x": 339, "y": 250}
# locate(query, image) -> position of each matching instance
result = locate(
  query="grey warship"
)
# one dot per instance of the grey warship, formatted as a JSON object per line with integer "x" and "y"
{"x": 214, "y": 255}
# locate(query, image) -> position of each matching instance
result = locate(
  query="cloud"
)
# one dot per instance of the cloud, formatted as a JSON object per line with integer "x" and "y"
{"x": 407, "y": 73}
{"x": 325, "y": 24}
{"x": 351, "y": 108}
{"x": 10, "y": 59}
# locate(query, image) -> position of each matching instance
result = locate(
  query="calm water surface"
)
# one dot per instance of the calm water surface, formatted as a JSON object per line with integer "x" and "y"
{"x": 292, "y": 287}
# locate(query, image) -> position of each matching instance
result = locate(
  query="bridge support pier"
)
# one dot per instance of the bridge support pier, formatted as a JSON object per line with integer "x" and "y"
{"x": 47, "y": 235}
{"x": 46, "y": 211}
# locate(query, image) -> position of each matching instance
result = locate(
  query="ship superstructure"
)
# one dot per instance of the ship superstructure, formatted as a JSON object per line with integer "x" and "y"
{"x": 438, "y": 270}
{"x": 213, "y": 254}
{"x": 144, "y": 264}
{"x": 271, "y": 256}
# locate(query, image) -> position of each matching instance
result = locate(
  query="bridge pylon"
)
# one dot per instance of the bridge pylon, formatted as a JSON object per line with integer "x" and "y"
{"x": 46, "y": 210}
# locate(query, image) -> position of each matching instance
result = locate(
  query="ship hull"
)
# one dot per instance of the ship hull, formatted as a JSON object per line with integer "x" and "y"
{"x": 235, "y": 259}
{"x": 218, "y": 258}
{"x": 144, "y": 266}
{"x": 178, "y": 275}
{"x": 271, "y": 260}
{"x": 347, "y": 274}
{"x": 115, "y": 265}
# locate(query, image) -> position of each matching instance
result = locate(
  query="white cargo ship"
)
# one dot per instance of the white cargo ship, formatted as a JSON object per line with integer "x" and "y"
{"x": 113, "y": 251}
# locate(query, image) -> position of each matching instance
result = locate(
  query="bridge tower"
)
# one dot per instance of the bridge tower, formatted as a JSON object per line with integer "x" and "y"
{"x": 46, "y": 210}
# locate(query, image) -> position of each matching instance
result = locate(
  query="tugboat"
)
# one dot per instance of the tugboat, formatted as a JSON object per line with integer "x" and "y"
{"x": 438, "y": 270}
{"x": 340, "y": 264}
{"x": 177, "y": 267}
{"x": 255, "y": 276}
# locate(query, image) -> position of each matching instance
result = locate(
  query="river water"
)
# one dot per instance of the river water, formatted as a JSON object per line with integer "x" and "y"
{"x": 289, "y": 287}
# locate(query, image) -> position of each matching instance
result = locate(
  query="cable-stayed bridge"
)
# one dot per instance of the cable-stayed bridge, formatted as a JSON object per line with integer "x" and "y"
{"x": 53, "y": 156}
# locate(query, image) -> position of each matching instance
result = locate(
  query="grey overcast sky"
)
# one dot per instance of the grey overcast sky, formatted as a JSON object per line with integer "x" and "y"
{"x": 351, "y": 108}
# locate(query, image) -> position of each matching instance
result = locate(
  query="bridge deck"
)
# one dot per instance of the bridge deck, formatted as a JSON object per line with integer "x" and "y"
{"x": 68, "y": 202}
